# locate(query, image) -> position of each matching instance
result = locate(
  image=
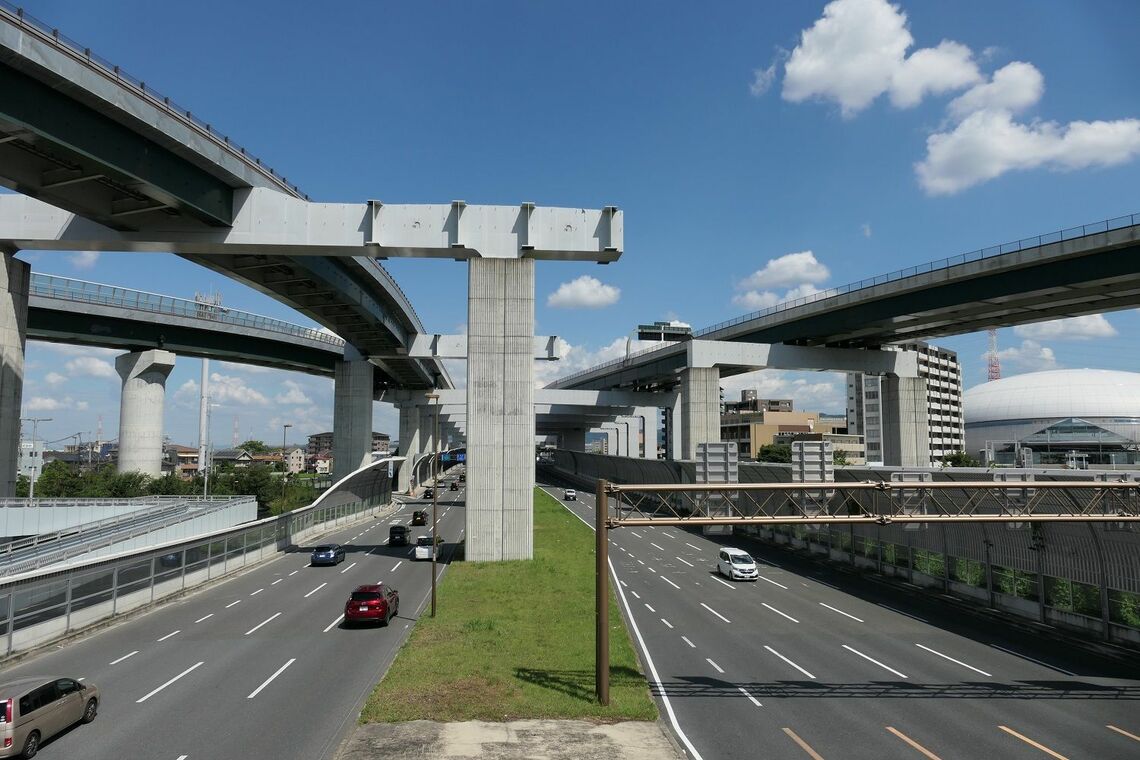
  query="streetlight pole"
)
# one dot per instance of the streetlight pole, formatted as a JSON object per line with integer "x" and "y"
{"x": 35, "y": 430}
{"x": 434, "y": 398}
{"x": 284, "y": 430}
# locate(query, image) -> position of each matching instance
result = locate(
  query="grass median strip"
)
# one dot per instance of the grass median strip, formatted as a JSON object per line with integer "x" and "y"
{"x": 515, "y": 640}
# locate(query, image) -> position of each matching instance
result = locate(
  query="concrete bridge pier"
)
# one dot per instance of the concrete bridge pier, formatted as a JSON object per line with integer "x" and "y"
{"x": 619, "y": 440}
{"x": 352, "y": 413}
{"x": 574, "y": 439}
{"x": 14, "y": 278}
{"x": 500, "y": 409}
{"x": 906, "y": 430}
{"x": 409, "y": 445}
{"x": 144, "y": 376}
{"x": 700, "y": 409}
{"x": 427, "y": 440}
{"x": 611, "y": 439}
{"x": 648, "y": 417}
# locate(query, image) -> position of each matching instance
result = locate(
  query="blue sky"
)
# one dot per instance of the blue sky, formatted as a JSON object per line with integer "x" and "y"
{"x": 757, "y": 149}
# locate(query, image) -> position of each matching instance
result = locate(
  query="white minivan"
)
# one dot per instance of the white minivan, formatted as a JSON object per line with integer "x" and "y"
{"x": 736, "y": 565}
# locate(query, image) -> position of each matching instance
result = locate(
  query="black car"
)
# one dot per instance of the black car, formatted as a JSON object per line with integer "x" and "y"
{"x": 398, "y": 535}
{"x": 454, "y": 486}
{"x": 327, "y": 554}
{"x": 427, "y": 493}
{"x": 419, "y": 517}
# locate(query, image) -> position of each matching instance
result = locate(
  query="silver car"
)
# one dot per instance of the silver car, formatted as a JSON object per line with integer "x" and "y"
{"x": 35, "y": 708}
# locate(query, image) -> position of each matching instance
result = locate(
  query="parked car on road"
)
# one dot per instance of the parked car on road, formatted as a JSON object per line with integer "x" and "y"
{"x": 423, "y": 546}
{"x": 736, "y": 564}
{"x": 34, "y": 709}
{"x": 374, "y": 603}
{"x": 570, "y": 495}
{"x": 327, "y": 554}
{"x": 398, "y": 535}
{"x": 419, "y": 517}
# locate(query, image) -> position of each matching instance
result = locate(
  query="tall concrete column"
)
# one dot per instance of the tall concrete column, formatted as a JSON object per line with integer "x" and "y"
{"x": 574, "y": 439}
{"x": 409, "y": 446}
{"x": 352, "y": 414}
{"x": 144, "y": 376}
{"x": 672, "y": 416}
{"x": 906, "y": 427}
{"x": 700, "y": 409}
{"x": 500, "y": 409}
{"x": 427, "y": 440}
{"x": 611, "y": 438}
{"x": 648, "y": 417}
{"x": 14, "y": 278}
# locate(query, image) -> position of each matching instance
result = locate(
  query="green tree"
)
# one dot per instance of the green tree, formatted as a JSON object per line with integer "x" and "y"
{"x": 58, "y": 481}
{"x": 775, "y": 452}
{"x": 254, "y": 447}
{"x": 960, "y": 459}
{"x": 839, "y": 458}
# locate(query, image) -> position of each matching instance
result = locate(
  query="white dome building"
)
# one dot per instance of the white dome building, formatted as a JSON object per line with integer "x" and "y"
{"x": 1073, "y": 416}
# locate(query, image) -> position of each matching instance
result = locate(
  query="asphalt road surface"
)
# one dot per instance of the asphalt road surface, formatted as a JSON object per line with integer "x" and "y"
{"x": 809, "y": 662}
{"x": 257, "y": 666}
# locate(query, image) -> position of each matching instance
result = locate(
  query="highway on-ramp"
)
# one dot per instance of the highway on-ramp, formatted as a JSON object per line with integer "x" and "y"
{"x": 257, "y": 666}
{"x": 809, "y": 662}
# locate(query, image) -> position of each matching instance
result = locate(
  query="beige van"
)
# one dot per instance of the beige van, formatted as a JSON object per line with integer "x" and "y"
{"x": 36, "y": 708}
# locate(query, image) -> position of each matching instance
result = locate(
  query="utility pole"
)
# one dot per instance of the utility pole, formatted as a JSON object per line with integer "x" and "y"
{"x": 35, "y": 433}
{"x": 284, "y": 430}
{"x": 434, "y": 398}
{"x": 203, "y": 421}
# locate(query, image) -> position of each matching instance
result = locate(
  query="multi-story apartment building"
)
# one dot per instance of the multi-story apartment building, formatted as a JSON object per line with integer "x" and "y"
{"x": 754, "y": 422}
{"x": 323, "y": 442}
{"x": 943, "y": 376}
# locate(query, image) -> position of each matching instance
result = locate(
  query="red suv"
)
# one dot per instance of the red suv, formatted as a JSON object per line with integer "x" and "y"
{"x": 374, "y": 603}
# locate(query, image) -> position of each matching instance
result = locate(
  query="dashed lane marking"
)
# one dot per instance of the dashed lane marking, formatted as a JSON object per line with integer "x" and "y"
{"x": 710, "y": 609}
{"x": 686, "y": 640}
{"x": 785, "y": 659}
{"x": 231, "y": 604}
{"x": 724, "y": 583}
{"x": 1032, "y": 743}
{"x": 667, "y": 623}
{"x": 167, "y": 636}
{"x": 269, "y": 619}
{"x": 204, "y": 617}
{"x": 719, "y": 669}
{"x": 778, "y": 612}
{"x": 342, "y": 572}
{"x": 334, "y": 623}
{"x": 781, "y": 585}
{"x": 802, "y": 744}
{"x": 913, "y": 744}
{"x": 951, "y": 659}
{"x": 671, "y": 583}
{"x": 872, "y": 659}
{"x": 841, "y": 612}
{"x": 690, "y": 564}
{"x": 269, "y": 680}
{"x": 318, "y": 588}
{"x": 132, "y": 654}
{"x": 186, "y": 672}
{"x": 751, "y": 698}
{"x": 649, "y": 608}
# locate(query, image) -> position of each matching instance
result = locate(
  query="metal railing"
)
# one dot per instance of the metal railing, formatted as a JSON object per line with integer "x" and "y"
{"x": 17, "y": 17}
{"x": 70, "y": 289}
{"x": 1070, "y": 233}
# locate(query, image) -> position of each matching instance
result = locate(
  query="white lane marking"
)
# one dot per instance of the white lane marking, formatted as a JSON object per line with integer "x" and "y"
{"x": 789, "y": 617}
{"x": 649, "y": 662}
{"x": 293, "y": 573}
{"x": 666, "y": 622}
{"x": 686, "y": 640}
{"x": 269, "y": 619}
{"x": 172, "y": 633}
{"x": 231, "y": 604}
{"x": 695, "y": 547}
{"x": 751, "y": 698}
{"x": 648, "y": 607}
{"x": 395, "y": 566}
{"x": 690, "y": 564}
{"x": 342, "y": 572}
{"x": 204, "y": 617}
{"x": 718, "y": 667}
{"x": 785, "y": 659}
{"x": 710, "y": 609}
{"x": 333, "y": 624}
{"x": 915, "y": 617}
{"x": 636, "y": 533}
{"x": 1039, "y": 662}
{"x": 276, "y": 581}
{"x": 671, "y": 583}
{"x": 639, "y": 561}
{"x": 255, "y": 593}
{"x": 951, "y": 659}
{"x": 188, "y": 670}
{"x": 724, "y": 583}
{"x": 662, "y": 548}
{"x": 269, "y": 680}
{"x": 841, "y": 612}
{"x": 624, "y": 584}
{"x": 182, "y": 757}
{"x": 318, "y": 588}
{"x": 132, "y": 654}
{"x": 872, "y": 659}
{"x": 635, "y": 594}
{"x": 781, "y": 585}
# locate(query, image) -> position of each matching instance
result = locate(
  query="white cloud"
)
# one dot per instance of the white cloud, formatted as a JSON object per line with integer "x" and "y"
{"x": 678, "y": 323}
{"x": 809, "y": 391}
{"x": 762, "y": 80}
{"x": 857, "y": 51}
{"x": 1085, "y": 327}
{"x": 583, "y": 293}
{"x": 866, "y": 229}
{"x": 755, "y": 300}
{"x": 789, "y": 269}
{"x": 292, "y": 395}
{"x": 91, "y": 367}
{"x": 84, "y": 259}
{"x": 227, "y": 389}
{"x": 1030, "y": 356}
{"x": 577, "y": 358}
{"x": 988, "y": 144}
{"x": 54, "y": 378}
{"x": 1014, "y": 88}
{"x": 49, "y": 404}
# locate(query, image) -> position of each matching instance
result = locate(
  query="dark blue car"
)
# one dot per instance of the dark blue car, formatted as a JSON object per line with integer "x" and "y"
{"x": 328, "y": 554}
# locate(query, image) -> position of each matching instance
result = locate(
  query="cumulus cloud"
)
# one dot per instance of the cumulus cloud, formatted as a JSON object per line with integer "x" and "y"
{"x": 762, "y": 80}
{"x": 858, "y": 50}
{"x": 84, "y": 259}
{"x": 757, "y": 300}
{"x": 1014, "y": 88}
{"x": 1087, "y": 327}
{"x": 810, "y": 391}
{"x": 91, "y": 367}
{"x": 54, "y": 378}
{"x": 226, "y": 389}
{"x": 1030, "y": 356}
{"x": 789, "y": 269}
{"x": 583, "y": 293}
{"x": 577, "y": 358}
{"x": 49, "y": 404}
{"x": 293, "y": 394}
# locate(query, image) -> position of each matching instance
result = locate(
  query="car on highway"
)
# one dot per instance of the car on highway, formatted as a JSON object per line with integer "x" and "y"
{"x": 423, "y": 546}
{"x": 570, "y": 495}
{"x": 398, "y": 535}
{"x": 428, "y": 493}
{"x": 35, "y": 708}
{"x": 736, "y": 565}
{"x": 419, "y": 517}
{"x": 373, "y": 603}
{"x": 462, "y": 477}
{"x": 454, "y": 486}
{"x": 327, "y": 554}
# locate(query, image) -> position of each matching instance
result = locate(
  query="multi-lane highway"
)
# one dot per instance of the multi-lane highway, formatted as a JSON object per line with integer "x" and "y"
{"x": 808, "y": 662}
{"x": 258, "y": 666}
